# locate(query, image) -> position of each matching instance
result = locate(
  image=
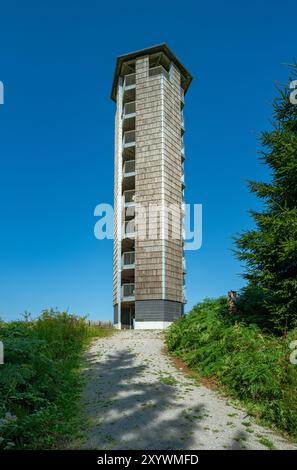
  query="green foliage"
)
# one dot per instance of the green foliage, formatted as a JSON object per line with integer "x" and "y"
{"x": 167, "y": 380}
{"x": 254, "y": 367}
{"x": 40, "y": 381}
{"x": 251, "y": 307}
{"x": 270, "y": 250}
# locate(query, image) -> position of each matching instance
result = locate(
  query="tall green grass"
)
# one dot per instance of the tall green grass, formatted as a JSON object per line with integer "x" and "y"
{"x": 251, "y": 365}
{"x": 41, "y": 381}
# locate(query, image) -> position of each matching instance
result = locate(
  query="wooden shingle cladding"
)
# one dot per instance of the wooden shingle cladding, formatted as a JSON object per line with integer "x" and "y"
{"x": 148, "y": 252}
{"x": 158, "y": 271}
{"x": 172, "y": 183}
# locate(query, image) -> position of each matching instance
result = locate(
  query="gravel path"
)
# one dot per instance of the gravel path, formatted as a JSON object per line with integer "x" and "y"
{"x": 135, "y": 398}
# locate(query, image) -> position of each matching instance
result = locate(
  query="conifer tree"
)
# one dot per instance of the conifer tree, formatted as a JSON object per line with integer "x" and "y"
{"x": 270, "y": 250}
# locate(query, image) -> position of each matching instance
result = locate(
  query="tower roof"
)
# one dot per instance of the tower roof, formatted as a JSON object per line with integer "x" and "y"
{"x": 187, "y": 77}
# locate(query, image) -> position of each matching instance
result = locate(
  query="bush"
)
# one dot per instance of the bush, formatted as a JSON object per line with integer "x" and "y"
{"x": 252, "y": 307}
{"x": 40, "y": 381}
{"x": 251, "y": 365}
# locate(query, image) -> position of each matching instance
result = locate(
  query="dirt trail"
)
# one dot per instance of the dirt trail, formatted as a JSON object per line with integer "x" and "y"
{"x": 135, "y": 398}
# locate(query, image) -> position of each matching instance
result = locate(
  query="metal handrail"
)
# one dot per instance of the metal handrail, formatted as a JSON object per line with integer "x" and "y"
{"x": 130, "y": 80}
{"x": 129, "y": 137}
{"x": 129, "y": 196}
{"x": 129, "y": 108}
{"x": 129, "y": 227}
{"x": 159, "y": 70}
{"x": 129, "y": 167}
{"x": 128, "y": 290}
{"x": 128, "y": 258}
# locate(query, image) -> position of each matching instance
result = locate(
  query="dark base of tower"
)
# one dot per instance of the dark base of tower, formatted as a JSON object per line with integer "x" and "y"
{"x": 148, "y": 314}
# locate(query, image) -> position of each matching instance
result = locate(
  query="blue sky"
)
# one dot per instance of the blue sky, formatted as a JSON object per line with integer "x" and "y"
{"x": 56, "y": 136}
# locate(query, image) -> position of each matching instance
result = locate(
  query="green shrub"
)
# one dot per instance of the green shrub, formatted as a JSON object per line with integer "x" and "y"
{"x": 253, "y": 366}
{"x": 40, "y": 381}
{"x": 252, "y": 307}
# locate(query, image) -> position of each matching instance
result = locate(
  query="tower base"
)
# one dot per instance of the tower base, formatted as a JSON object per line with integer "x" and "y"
{"x": 156, "y": 314}
{"x": 151, "y": 325}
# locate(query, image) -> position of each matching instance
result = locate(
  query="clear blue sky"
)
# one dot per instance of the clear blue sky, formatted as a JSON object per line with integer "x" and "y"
{"x": 56, "y": 135}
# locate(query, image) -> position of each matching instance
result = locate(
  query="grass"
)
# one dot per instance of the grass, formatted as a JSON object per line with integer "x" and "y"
{"x": 41, "y": 380}
{"x": 266, "y": 442}
{"x": 167, "y": 380}
{"x": 247, "y": 362}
